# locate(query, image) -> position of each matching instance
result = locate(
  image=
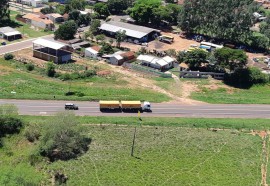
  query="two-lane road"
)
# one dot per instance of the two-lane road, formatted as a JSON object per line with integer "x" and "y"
{"x": 44, "y": 107}
{"x": 19, "y": 45}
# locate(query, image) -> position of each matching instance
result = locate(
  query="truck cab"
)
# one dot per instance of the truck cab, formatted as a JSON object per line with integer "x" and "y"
{"x": 146, "y": 107}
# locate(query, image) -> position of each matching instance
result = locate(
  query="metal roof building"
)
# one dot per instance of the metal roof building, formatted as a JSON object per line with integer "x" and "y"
{"x": 9, "y": 33}
{"x": 134, "y": 31}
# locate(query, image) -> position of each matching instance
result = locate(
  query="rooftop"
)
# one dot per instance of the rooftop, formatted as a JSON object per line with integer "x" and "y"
{"x": 7, "y": 29}
{"x": 49, "y": 43}
{"x": 131, "y": 30}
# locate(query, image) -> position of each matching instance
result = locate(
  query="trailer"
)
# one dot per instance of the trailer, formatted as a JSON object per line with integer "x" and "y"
{"x": 109, "y": 105}
{"x": 125, "y": 106}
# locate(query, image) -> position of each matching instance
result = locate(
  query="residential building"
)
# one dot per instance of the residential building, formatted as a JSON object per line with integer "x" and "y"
{"x": 55, "y": 18}
{"x": 92, "y": 52}
{"x": 36, "y": 21}
{"x": 33, "y": 3}
{"x": 120, "y": 57}
{"x": 9, "y": 33}
{"x": 162, "y": 64}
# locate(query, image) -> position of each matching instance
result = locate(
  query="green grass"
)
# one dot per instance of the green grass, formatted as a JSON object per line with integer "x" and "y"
{"x": 163, "y": 156}
{"x": 255, "y": 95}
{"x": 222, "y": 123}
{"x": 34, "y": 86}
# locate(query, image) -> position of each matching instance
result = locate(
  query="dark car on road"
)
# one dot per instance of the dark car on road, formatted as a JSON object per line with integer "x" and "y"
{"x": 71, "y": 106}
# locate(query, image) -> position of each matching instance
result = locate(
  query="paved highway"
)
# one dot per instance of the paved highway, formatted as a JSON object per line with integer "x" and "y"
{"x": 19, "y": 45}
{"x": 44, "y": 107}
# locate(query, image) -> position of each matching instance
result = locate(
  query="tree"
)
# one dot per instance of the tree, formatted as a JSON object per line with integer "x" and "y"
{"x": 102, "y": 9}
{"x": 4, "y": 10}
{"x": 62, "y": 138}
{"x": 66, "y": 31}
{"x": 95, "y": 26}
{"x": 47, "y": 10}
{"x": 259, "y": 41}
{"x": 79, "y": 18}
{"x": 50, "y": 69}
{"x": 120, "y": 37}
{"x": 169, "y": 1}
{"x": 218, "y": 18}
{"x": 195, "y": 58}
{"x": 160, "y": 14}
{"x": 106, "y": 49}
{"x": 117, "y": 6}
{"x": 174, "y": 10}
{"x": 142, "y": 11}
{"x": 75, "y": 5}
{"x": 230, "y": 58}
{"x": 100, "y": 37}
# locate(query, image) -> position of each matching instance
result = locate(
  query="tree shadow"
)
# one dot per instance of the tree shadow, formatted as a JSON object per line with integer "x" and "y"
{"x": 10, "y": 23}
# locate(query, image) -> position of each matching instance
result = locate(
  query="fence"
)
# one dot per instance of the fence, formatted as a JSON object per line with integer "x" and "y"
{"x": 147, "y": 70}
{"x": 196, "y": 74}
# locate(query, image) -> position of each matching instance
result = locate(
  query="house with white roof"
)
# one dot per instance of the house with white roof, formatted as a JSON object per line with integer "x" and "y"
{"x": 136, "y": 34}
{"x": 162, "y": 64}
{"x": 9, "y": 33}
{"x": 51, "y": 50}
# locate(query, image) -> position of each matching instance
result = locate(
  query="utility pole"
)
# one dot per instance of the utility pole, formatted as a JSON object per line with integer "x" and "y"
{"x": 133, "y": 142}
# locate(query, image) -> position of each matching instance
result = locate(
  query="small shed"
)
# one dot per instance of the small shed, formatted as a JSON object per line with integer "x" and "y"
{"x": 92, "y": 52}
{"x": 9, "y": 33}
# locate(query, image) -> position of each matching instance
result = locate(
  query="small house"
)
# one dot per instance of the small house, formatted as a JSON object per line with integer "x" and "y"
{"x": 55, "y": 18}
{"x": 92, "y": 52}
{"x": 162, "y": 64}
{"x": 120, "y": 57}
{"x": 38, "y": 20}
{"x": 9, "y": 33}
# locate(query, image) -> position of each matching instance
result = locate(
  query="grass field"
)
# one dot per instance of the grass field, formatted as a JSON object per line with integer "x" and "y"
{"x": 31, "y": 85}
{"x": 216, "y": 92}
{"x": 163, "y": 156}
{"x": 222, "y": 123}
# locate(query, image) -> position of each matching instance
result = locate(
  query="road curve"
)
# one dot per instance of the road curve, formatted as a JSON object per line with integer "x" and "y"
{"x": 50, "y": 107}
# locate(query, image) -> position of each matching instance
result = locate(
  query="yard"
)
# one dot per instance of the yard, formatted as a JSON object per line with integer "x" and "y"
{"x": 35, "y": 85}
{"x": 26, "y": 29}
{"x": 164, "y": 155}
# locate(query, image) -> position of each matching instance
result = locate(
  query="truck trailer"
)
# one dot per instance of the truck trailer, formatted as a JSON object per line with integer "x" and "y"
{"x": 125, "y": 106}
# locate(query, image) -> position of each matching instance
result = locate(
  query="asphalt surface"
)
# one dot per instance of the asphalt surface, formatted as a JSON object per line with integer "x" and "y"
{"x": 50, "y": 107}
{"x": 19, "y": 45}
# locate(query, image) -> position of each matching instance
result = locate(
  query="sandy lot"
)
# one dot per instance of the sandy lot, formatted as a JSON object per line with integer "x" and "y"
{"x": 179, "y": 44}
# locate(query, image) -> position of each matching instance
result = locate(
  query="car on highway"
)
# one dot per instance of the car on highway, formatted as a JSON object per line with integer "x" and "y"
{"x": 71, "y": 106}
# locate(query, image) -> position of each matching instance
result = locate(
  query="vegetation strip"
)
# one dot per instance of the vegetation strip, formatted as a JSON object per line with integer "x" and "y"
{"x": 226, "y": 123}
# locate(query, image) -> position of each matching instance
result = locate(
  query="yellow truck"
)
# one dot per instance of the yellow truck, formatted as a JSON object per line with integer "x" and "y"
{"x": 124, "y": 106}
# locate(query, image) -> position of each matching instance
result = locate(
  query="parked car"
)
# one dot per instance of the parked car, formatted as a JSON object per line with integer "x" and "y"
{"x": 3, "y": 43}
{"x": 71, "y": 106}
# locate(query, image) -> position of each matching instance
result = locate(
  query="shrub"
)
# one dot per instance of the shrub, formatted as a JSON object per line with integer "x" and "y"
{"x": 90, "y": 73}
{"x": 9, "y": 125}
{"x": 62, "y": 139}
{"x": 50, "y": 69}
{"x": 65, "y": 77}
{"x": 245, "y": 78}
{"x": 30, "y": 66}
{"x": 8, "y": 56}
{"x": 32, "y": 132}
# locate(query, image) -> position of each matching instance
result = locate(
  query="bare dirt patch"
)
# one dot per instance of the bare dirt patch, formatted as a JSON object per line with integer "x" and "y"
{"x": 179, "y": 44}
